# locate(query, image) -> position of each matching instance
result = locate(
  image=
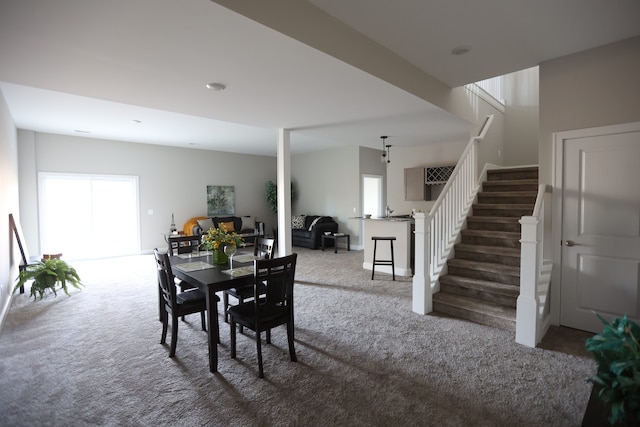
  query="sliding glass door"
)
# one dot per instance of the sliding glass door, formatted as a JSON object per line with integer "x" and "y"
{"x": 88, "y": 216}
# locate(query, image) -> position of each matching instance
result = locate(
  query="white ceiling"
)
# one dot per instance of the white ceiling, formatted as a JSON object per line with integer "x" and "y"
{"x": 90, "y": 67}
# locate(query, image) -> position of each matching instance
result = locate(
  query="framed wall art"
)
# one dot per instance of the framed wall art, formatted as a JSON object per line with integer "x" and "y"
{"x": 220, "y": 200}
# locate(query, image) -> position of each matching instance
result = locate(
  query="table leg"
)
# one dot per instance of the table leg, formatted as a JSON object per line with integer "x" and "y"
{"x": 212, "y": 330}
{"x": 349, "y": 242}
{"x": 335, "y": 244}
{"x": 322, "y": 242}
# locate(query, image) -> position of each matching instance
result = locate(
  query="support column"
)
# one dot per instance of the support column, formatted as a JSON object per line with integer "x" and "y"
{"x": 284, "y": 193}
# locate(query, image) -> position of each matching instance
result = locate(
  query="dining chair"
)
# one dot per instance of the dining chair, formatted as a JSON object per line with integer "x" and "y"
{"x": 263, "y": 249}
{"x": 181, "y": 244}
{"x": 178, "y": 304}
{"x": 275, "y": 278}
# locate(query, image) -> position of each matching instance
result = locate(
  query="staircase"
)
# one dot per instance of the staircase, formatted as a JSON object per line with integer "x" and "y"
{"x": 483, "y": 280}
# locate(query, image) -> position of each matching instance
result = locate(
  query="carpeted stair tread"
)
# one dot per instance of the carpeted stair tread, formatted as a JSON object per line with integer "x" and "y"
{"x": 508, "y": 235}
{"x": 496, "y": 223}
{"x": 476, "y": 311}
{"x": 507, "y": 210}
{"x": 485, "y": 266}
{"x": 497, "y": 250}
{"x": 497, "y": 254}
{"x": 508, "y": 197}
{"x": 510, "y": 185}
{"x": 481, "y": 285}
{"x": 512, "y": 174}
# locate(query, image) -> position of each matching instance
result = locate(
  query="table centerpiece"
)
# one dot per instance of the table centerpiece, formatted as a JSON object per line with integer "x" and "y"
{"x": 216, "y": 239}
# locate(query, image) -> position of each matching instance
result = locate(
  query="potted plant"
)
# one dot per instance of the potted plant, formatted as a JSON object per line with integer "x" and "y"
{"x": 616, "y": 385}
{"x": 216, "y": 239}
{"x": 271, "y": 194}
{"x": 46, "y": 275}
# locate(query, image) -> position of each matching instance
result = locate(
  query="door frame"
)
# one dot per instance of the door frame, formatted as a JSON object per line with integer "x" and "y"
{"x": 557, "y": 182}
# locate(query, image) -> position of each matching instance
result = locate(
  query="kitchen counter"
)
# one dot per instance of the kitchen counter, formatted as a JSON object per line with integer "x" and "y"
{"x": 401, "y": 228}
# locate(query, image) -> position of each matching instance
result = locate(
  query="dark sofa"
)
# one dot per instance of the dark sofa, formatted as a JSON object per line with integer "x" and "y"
{"x": 241, "y": 225}
{"x": 308, "y": 236}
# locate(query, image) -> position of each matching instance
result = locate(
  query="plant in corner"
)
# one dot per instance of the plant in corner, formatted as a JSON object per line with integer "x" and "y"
{"x": 271, "y": 193}
{"x": 46, "y": 274}
{"x": 617, "y": 382}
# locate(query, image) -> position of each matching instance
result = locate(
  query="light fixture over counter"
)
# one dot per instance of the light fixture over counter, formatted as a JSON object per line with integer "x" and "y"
{"x": 386, "y": 151}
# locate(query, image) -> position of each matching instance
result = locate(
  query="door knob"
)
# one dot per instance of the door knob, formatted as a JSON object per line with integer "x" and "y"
{"x": 569, "y": 243}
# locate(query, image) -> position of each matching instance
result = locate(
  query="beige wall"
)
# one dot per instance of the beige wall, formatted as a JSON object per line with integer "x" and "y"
{"x": 9, "y": 254}
{"x": 171, "y": 180}
{"x": 521, "y": 114}
{"x": 594, "y": 88}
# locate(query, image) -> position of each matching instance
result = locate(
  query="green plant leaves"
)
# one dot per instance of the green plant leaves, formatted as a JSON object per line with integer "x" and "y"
{"x": 46, "y": 275}
{"x": 617, "y": 352}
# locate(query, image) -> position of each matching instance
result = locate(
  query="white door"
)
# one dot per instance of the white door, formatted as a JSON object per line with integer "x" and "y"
{"x": 601, "y": 226}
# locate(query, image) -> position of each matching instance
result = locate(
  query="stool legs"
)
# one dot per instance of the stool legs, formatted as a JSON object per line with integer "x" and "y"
{"x": 373, "y": 267}
{"x": 376, "y": 261}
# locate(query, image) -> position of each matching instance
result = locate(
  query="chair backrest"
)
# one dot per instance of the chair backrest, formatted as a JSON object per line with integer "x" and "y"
{"x": 274, "y": 278}
{"x": 182, "y": 244}
{"x": 263, "y": 248}
{"x": 165, "y": 278}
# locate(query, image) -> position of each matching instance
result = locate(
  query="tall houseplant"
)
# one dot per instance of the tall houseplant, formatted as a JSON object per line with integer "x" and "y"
{"x": 617, "y": 381}
{"x": 271, "y": 194}
{"x": 46, "y": 275}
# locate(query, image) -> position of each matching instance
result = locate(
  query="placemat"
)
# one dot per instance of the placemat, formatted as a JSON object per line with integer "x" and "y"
{"x": 194, "y": 266}
{"x": 240, "y": 271}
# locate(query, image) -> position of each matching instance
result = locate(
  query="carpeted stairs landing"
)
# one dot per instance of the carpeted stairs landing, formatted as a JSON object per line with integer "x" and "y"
{"x": 483, "y": 280}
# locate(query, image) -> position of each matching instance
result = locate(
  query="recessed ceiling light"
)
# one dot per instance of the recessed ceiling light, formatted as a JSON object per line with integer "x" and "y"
{"x": 461, "y": 50}
{"x": 216, "y": 86}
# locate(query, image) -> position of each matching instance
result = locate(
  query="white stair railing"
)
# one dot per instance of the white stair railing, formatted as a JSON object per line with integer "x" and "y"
{"x": 533, "y": 316}
{"x": 436, "y": 232}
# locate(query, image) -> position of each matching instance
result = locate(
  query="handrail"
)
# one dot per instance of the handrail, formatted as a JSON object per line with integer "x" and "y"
{"x": 436, "y": 232}
{"x": 532, "y": 308}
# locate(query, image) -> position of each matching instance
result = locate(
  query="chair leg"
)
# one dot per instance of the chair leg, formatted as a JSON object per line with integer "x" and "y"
{"x": 232, "y": 330}
{"x": 290, "y": 337}
{"x": 259, "y": 348}
{"x": 174, "y": 336}
{"x": 240, "y": 301}
{"x": 164, "y": 326}
{"x": 268, "y": 336}
{"x": 225, "y": 299}
{"x": 203, "y": 321}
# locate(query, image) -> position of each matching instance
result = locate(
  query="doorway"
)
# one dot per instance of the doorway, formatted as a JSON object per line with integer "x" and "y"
{"x": 372, "y": 195}
{"x": 88, "y": 216}
{"x": 600, "y": 224}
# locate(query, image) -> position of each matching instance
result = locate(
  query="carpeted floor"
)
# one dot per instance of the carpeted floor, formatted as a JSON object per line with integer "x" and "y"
{"x": 364, "y": 359}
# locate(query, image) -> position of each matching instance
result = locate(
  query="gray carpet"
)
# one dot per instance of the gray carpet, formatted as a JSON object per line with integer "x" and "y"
{"x": 364, "y": 358}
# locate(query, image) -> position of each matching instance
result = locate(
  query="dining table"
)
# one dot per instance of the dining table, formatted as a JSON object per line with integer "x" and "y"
{"x": 198, "y": 269}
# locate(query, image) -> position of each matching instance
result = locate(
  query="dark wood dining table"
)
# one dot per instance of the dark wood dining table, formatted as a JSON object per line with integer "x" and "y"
{"x": 209, "y": 278}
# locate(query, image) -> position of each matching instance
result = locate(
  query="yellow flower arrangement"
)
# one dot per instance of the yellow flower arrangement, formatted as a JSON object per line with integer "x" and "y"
{"x": 217, "y": 238}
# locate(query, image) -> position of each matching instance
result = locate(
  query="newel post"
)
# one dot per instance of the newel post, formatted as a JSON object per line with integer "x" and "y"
{"x": 422, "y": 298}
{"x": 528, "y": 301}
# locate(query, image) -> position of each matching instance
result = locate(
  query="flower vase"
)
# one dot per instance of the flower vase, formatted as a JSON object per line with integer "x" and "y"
{"x": 219, "y": 257}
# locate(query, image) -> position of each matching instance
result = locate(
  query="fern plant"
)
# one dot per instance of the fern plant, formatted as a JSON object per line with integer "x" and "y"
{"x": 617, "y": 353}
{"x": 46, "y": 275}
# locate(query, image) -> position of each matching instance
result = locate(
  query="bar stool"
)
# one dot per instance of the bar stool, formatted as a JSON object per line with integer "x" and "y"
{"x": 383, "y": 261}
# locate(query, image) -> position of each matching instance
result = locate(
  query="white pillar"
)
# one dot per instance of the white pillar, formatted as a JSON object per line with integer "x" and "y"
{"x": 284, "y": 193}
{"x": 422, "y": 297}
{"x": 527, "y": 305}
